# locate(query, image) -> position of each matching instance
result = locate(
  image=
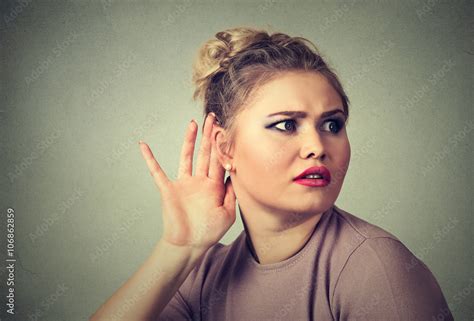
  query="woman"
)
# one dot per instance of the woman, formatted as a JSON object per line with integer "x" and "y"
{"x": 277, "y": 117}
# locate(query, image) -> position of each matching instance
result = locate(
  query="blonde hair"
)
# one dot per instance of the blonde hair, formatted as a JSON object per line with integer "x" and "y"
{"x": 229, "y": 68}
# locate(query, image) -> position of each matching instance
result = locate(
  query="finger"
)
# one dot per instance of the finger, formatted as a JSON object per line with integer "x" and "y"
{"x": 202, "y": 166}
{"x": 229, "y": 199}
{"x": 155, "y": 170}
{"x": 216, "y": 171}
{"x": 187, "y": 151}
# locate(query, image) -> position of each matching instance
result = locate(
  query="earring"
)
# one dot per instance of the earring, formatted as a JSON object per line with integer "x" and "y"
{"x": 228, "y": 166}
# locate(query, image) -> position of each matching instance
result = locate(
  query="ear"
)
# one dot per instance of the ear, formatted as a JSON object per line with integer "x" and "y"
{"x": 220, "y": 140}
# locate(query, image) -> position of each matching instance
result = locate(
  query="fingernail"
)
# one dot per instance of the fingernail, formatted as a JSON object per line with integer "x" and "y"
{"x": 211, "y": 114}
{"x": 140, "y": 141}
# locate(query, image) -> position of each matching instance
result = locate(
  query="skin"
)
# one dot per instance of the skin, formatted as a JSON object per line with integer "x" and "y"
{"x": 279, "y": 215}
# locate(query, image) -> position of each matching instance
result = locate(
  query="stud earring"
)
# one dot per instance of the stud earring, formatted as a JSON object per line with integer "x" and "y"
{"x": 228, "y": 166}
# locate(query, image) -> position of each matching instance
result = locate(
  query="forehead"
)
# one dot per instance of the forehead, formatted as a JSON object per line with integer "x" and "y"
{"x": 309, "y": 91}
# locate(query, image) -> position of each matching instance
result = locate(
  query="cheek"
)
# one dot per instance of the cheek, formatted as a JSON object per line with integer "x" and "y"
{"x": 263, "y": 157}
{"x": 263, "y": 170}
{"x": 341, "y": 155}
{"x": 343, "y": 150}
{"x": 346, "y": 153}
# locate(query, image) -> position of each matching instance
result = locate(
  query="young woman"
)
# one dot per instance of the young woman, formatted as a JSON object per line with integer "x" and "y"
{"x": 276, "y": 121}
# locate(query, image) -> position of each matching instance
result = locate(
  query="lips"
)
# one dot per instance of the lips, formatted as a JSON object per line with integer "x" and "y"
{"x": 320, "y": 170}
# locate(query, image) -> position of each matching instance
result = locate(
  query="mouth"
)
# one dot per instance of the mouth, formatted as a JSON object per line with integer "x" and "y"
{"x": 316, "y": 176}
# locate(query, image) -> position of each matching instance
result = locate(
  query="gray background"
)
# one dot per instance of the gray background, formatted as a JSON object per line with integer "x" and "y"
{"x": 83, "y": 81}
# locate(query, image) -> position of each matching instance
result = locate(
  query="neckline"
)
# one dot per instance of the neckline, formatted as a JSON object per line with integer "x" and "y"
{"x": 291, "y": 260}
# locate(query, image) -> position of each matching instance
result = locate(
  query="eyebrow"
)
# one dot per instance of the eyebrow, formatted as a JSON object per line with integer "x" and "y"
{"x": 303, "y": 114}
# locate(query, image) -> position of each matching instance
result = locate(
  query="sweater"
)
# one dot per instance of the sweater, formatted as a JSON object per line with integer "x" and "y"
{"x": 349, "y": 269}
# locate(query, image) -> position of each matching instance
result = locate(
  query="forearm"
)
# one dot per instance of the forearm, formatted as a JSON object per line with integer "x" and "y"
{"x": 147, "y": 292}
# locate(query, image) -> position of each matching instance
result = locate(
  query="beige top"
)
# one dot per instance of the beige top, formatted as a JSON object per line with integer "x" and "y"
{"x": 348, "y": 270}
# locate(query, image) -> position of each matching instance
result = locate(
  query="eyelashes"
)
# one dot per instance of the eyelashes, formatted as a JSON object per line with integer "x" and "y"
{"x": 337, "y": 121}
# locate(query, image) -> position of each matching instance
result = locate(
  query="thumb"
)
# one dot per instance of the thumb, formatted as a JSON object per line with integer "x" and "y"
{"x": 229, "y": 199}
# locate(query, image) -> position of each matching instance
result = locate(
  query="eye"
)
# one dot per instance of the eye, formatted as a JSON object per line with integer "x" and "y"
{"x": 286, "y": 127}
{"x": 335, "y": 125}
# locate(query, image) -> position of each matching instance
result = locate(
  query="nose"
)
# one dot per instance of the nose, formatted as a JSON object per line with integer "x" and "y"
{"x": 312, "y": 145}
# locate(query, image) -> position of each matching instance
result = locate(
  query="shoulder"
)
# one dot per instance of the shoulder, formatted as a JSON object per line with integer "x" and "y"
{"x": 352, "y": 224}
{"x": 374, "y": 244}
{"x": 381, "y": 278}
{"x": 345, "y": 233}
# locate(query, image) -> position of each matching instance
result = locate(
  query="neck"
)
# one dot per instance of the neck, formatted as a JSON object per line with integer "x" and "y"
{"x": 273, "y": 239}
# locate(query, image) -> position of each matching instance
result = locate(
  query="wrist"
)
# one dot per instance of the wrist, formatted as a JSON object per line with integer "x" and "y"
{"x": 174, "y": 250}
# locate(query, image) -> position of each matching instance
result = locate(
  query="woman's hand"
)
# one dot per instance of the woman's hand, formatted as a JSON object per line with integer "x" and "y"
{"x": 197, "y": 210}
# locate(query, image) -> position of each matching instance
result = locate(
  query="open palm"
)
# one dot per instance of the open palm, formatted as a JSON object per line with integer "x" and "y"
{"x": 197, "y": 210}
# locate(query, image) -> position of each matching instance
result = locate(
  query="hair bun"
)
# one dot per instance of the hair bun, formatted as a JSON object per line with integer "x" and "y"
{"x": 225, "y": 52}
{"x": 216, "y": 54}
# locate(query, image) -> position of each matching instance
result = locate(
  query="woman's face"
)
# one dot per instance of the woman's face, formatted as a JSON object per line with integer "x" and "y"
{"x": 270, "y": 151}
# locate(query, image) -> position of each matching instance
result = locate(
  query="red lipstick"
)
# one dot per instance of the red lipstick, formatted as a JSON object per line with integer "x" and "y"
{"x": 323, "y": 180}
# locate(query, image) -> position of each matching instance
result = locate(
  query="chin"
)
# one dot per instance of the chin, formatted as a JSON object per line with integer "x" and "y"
{"x": 316, "y": 197}
{"x": 313, "y": 205}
